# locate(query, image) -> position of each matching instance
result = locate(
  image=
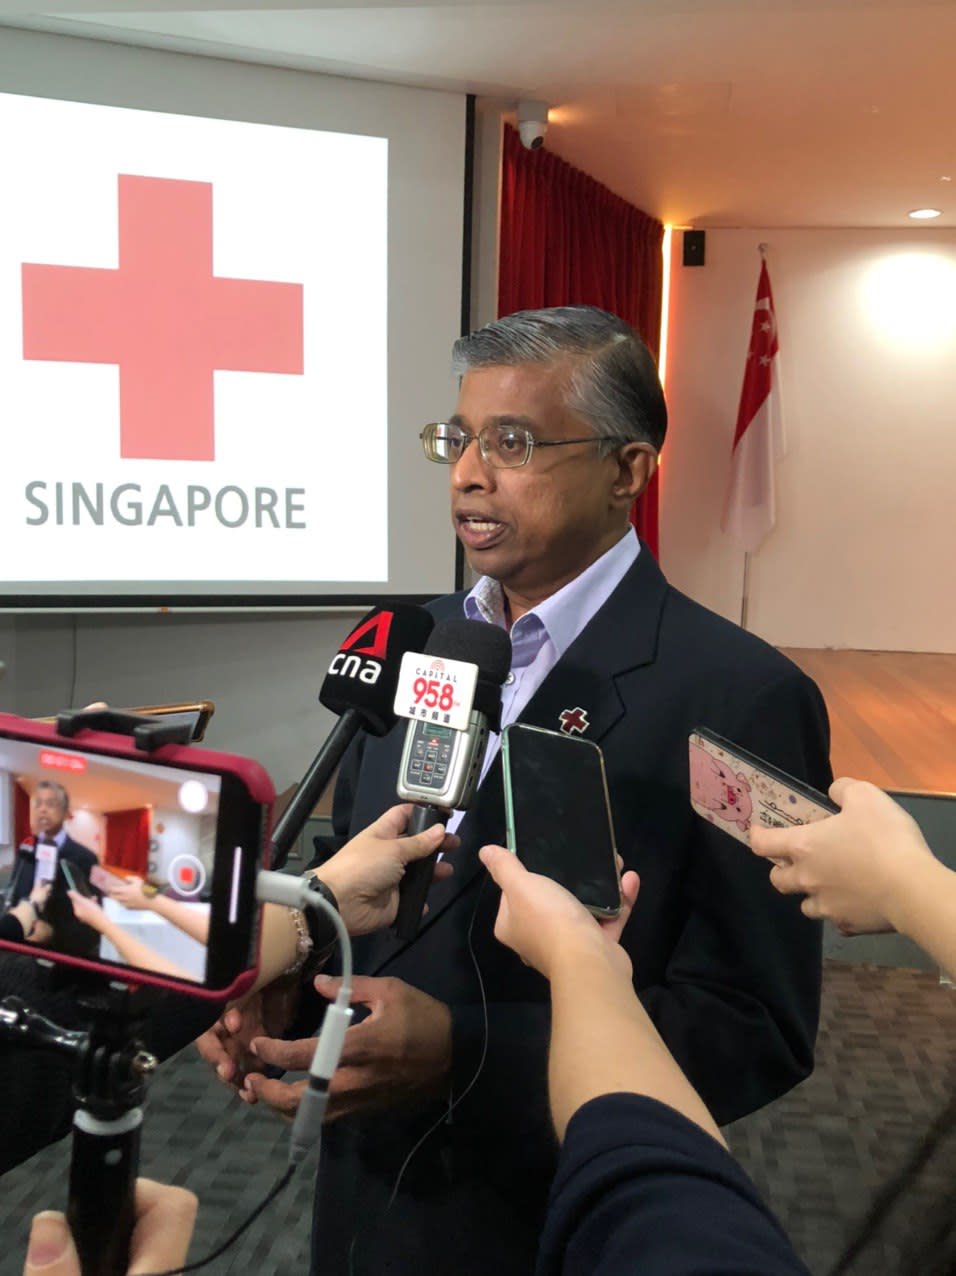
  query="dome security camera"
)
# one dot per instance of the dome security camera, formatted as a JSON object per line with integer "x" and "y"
{"x": 532, "y": 123}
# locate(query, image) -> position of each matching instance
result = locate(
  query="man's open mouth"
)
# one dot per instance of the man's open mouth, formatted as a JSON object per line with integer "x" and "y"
{"x": 479, "y": 532}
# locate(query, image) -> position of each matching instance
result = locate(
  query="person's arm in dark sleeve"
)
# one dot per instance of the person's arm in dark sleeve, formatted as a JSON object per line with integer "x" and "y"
{"x": 740, "y": 1002}
{"x": 636, "y": 1178}
{"x": 11, "y": 928}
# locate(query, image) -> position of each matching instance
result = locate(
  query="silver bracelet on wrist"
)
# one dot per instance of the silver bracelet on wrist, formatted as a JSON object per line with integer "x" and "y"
{"x": 303, "y": 942}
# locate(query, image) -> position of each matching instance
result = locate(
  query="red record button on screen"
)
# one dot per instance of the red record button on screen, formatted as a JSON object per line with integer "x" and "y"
{"x": 187, "y": 875}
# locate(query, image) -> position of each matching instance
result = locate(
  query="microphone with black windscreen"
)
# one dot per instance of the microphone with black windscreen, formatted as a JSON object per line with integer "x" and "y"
{"x": 26, "y": 848}
{"x": 441, "y": 767}
{"x": 360, "y": 687}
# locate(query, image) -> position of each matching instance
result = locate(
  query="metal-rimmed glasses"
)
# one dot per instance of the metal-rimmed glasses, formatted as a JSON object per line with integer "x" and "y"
{"x": 505, "y": 447}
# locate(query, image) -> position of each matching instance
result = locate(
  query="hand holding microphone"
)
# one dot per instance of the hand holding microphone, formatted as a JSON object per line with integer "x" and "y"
{"x": 366, "y": 873}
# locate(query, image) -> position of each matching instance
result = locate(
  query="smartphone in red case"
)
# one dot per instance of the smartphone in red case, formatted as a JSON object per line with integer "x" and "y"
{"x": 183, "y": 825}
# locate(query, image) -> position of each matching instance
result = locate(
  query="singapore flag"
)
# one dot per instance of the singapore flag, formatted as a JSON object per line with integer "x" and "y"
{"x": 750, "y": 510}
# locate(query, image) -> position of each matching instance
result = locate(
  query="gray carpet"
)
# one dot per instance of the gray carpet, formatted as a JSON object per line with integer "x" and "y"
{"x": 817, "y": 1155}
{"x": 883, "y": 1072}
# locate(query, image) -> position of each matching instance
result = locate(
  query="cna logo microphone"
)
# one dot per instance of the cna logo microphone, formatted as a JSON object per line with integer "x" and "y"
{"x": 363, "y": 674}
{"x": 178, "y": 361}
{"x": 360, "y": 689}
{"x": 370, "y": 640}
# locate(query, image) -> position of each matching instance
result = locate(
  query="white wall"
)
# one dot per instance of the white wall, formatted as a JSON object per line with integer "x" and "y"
{"x": 89, "y": 829}
{"x": 179, "y": 836}
{"x": 864, "y": 548}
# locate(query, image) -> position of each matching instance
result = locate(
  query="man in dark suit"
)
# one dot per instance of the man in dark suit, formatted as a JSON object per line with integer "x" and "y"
{"x": 43, "y": 858}
{"x": 559, "y": 421}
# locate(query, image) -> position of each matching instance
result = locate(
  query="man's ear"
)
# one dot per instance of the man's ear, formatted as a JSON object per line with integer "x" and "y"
{"x": 636, "y": 464}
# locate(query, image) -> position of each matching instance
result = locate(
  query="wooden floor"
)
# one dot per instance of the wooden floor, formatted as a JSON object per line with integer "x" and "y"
{"x": 892, "y": 715}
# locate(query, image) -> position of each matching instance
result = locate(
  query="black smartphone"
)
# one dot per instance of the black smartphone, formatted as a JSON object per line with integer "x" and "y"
{"x": 558, "y": 813}
{"x": 160, "y": 851}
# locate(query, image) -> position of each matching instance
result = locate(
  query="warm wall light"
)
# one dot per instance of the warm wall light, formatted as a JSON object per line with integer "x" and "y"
{"x": 911, "y": 298}
{"x": 924, "y": 214}
{"x": 665, "y": 303}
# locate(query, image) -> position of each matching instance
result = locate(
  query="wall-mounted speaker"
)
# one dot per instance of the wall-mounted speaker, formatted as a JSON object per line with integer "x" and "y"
{"x": 694, "y": 247}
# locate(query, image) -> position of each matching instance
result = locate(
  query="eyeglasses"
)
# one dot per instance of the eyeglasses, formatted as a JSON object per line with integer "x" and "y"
{"x": 505, "y": 447}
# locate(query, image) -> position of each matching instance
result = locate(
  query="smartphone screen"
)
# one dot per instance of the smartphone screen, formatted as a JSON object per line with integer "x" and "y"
{"x": 558, "y": 814}
{"x": 145, "y": 866}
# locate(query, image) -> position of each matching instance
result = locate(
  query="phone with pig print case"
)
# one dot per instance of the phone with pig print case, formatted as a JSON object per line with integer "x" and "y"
{"x": 733, "y": 789}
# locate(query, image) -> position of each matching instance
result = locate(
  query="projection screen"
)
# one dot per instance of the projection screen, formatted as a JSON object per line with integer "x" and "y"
{"x": 227, "y": 299}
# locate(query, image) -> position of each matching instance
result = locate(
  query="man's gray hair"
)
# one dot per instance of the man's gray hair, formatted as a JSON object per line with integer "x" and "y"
{"x": 614, "y": 384}
{"x": 58, "y": 789}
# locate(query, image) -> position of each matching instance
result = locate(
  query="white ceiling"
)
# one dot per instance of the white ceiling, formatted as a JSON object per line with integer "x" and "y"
{"x": 704, "y": 112}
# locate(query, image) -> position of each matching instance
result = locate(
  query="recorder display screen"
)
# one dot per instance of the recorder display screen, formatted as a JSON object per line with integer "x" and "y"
{"x": 106, "y": 858}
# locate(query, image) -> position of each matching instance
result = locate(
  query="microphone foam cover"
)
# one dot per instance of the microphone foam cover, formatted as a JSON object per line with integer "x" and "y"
{"x": 481, "y": 644}
{"x": 364, "y": 672}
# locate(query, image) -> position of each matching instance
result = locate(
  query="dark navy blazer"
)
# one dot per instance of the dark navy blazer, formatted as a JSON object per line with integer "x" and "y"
{"x": 728, "y": 968}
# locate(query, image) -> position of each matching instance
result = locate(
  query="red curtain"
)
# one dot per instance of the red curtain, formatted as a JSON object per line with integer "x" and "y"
{"x": 567, "y": 240}
{"x": 21, "y": 814}
{"x": 127, "y": 840}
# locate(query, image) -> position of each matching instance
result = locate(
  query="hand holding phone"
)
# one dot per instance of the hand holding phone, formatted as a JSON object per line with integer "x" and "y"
{"x": 559, "y": 814}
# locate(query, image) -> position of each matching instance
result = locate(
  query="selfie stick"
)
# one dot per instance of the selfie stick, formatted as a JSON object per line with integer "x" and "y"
{"x": 111, "y": 1068}
{"x": 110, "y": 1088}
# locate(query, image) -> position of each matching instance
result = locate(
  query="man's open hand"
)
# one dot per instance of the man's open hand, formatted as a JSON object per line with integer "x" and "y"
{"x": 225, "y": 1046}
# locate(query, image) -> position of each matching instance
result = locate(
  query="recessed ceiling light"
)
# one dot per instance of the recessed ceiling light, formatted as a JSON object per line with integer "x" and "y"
{"x": 193, "y": 796}
{"x": 945, "y": 178}
{"x": 924, "y": 214}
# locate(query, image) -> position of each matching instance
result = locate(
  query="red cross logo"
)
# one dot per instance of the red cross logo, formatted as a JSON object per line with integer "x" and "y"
{"x": 574, "y": 721}
{"x": 164, "y": 318}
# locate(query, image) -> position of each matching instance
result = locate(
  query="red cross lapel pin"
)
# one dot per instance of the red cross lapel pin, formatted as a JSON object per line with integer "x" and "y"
{"x": 574, "y": 721}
